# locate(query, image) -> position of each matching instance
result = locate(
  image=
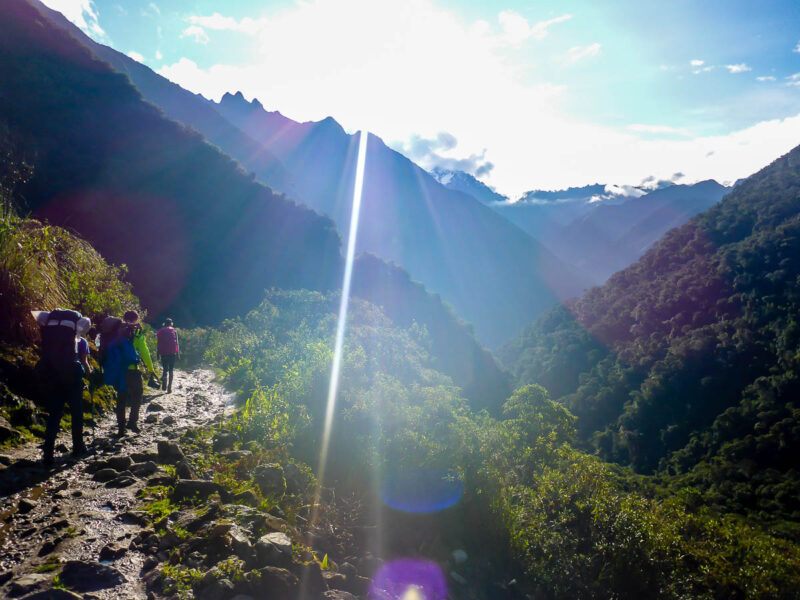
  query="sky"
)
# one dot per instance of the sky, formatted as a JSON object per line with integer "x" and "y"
{"x": 524, "y": 95}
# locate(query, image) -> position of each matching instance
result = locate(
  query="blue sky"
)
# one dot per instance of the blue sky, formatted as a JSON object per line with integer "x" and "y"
{"x": 533, "y": 95}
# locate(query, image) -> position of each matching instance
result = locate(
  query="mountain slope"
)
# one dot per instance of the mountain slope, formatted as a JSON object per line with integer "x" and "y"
{"x": 688, "y": 360}
{"x": 491, "y": 272}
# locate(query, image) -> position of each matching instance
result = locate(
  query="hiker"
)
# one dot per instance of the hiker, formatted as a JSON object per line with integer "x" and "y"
{"x": 61, "y": 369}
{"x": 167, "y": 351}
{"x": 122, "y": 351}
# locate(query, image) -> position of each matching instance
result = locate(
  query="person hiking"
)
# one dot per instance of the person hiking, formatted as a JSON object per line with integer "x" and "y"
{"x": 121, "y": 368}
{"x": 168, "y": 351}
{"x": 60, "y": 370}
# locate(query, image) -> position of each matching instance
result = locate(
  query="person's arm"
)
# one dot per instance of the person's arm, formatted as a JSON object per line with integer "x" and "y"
{"x": 144, "y": 352}
{"x": 83, "y": 355}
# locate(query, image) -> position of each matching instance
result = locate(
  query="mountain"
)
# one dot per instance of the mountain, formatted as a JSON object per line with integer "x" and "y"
{"x": 490, "y": 271}
{"x": 464, "y": 182}
{"x": 611, "y": 236}
{"x": 201, "y": 238}
{"x": 688, "y": 361}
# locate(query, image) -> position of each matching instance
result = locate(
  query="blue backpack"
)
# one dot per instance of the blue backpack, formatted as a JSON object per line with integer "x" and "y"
{"x": 120, "y": 355}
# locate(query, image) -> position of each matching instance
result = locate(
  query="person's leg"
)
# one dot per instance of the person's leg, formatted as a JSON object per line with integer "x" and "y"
{"x": 122, "y": 400}
{"x": 76, "y": 409}
{"x": 164, "y": 361}
{"x": 171, "y": 363}
{"x": 136, "y": 390}
{"x": 55, "y": 406}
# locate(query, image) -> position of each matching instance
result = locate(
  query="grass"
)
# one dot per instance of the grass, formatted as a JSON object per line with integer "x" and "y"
{"x": 53, "y": 563}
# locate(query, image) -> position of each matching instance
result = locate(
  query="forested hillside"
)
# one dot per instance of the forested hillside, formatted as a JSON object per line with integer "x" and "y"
{"x": 686, "y": 362}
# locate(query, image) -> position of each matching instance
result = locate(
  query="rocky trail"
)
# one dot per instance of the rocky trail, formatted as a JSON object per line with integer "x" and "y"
{"x": 80, "y": 513}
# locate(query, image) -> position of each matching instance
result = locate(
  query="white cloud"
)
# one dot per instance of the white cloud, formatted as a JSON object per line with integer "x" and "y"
{"x": 765, "y": 78}
{"x": 697, "y": 63}
{"x": 159, "y": 56}
{"x": 151, "y": 10}
{"x": 739, "y": 68}
{"x": 793, "y": 79}
{"x": 198, "y": 34}
{"x": 377, "y": 73}
{"x": 797, "y": 48}
{"x": 82, "y": 13}
{"x": 136, "y": 56}
{"x": 658, "y": 129}
{"x": 219, "y": 22}
{"x": 577, "y": 53}
{"x": 516, "y": 28}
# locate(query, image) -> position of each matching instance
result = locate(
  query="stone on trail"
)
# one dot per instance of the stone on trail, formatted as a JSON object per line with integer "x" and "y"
{"x": 184, "y": 471}
{"x": 105, "y": 474}
{"x": 269, "y": 479}
{"x": 217, "y": 590}
{"x": 25, "y": 506}
{"x": 223, "y": 441}
{"x": 120, "y": 463}
{"x": 7, "y": 432}
{"x": 84, "y": 576}
{"x": 169, "y": 452}
{"x": 274, "y": 549}
{"x": 28, "y": 583}
{"x": 151, "y": 418}
{"x": 188, "y": 489}
{"x": 53, "y": 594}
{"x": 144, "y": 469}
{"x": 112, "y": 552}
{"x": 154, "y": 407}
{"x": 169, "y": 420}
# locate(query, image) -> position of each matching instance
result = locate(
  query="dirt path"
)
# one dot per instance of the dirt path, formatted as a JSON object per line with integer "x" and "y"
{"x": 65, "y": 514}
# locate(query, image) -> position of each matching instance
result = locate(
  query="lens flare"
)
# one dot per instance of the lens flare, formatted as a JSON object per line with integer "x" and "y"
{"x": 409, "y": 579}
{"x": 333, "y": 387}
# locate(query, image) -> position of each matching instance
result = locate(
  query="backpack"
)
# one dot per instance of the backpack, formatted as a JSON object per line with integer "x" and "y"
{"x": 59, "y": 351}
{"x": 119, "y": 356}
{"x": 109, "y": 330}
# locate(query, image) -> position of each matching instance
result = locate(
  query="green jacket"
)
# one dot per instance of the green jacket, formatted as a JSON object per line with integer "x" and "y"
{"x": 140, "y": 345}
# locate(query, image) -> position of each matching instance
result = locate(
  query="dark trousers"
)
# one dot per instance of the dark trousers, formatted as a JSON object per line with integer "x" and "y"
{"x": 62, "y": 391}
{"x": 133, "y": 396}
{"x": 168, "y": 362}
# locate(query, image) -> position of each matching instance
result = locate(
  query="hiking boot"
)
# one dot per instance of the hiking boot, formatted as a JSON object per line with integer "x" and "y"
{"x": 169, "y": 390}
{"x": 120, "y": 432}
{"x": 134, "y": 427}
{"x": 81, "y": 450}
{"x": 47, "y": 461}
{"x": 163, "y": 386}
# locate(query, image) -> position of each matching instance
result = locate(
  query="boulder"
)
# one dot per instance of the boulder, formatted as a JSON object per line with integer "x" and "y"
{"x": 190, "y": 489}
{"x": 123, "y": 481}
{"x": 7, "y": 432}
{"x": 25, "y": 506}
{"x": 270, "y": 480}
{"x": 184, "y": 470}
{"x": 140, "y": 457}
{"x": 28, "y": 583}
{"x": 105, "y": 474}
{"x": 169, "y": 452}
{"x": 144, "y": 469}
{"x": 223, "y": 441}
{"x": 151, "y": 419}
{"x": 274, "y": 549}
{"x": 112, "y": 552}
{"x": 83, "y": 576}
{"x": 120, "y": 463}
{"x": 154, "y": 407}
{"x": 221, "y": 589}
{"x": 273, "y": 583}
{"x": 246, "y": 497}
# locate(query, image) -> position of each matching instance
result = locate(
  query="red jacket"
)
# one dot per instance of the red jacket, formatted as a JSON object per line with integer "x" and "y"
{"x": 167, "y": 341}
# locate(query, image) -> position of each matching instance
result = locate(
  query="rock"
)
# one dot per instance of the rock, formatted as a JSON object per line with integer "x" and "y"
{"x": 120, "y": 463}
{"x": 270, "y": 480}
{"x": 159, "y": 480}
{"x": 25, "y": 506}
{"x": 49, "y": 546}
{"x": 246, "y": 497}
{"x": 154, "y": 407}
{"x": 233, "y": 455}
{"x": 140, "y": 457}
{"x": 334, "y": 580}
{"x": 241, "y": 544}
{"x": 273, "y": 583}
{"x": 295, "y": 482}
{"x": 313, "y": 582}
{"x": 221, "y": 589}
{"x": 149, "y": 563}
{"x": 28, "y": 583}
{"x": 338, "y": 595}
{"x": 112, "y": 552}
{"x": 184, "y": 470}
{"x": 122, "y": 481}
{"x": 83, "y": 576}
{"x": 135, "y": 517}
{"x": 349, "y": 571}
{"x": 189, "y": 489}
{"x": 151, "y": 418}
{"x": 24, "y": 414}
{"x": 169, "y": 452}
{"x": 105, "y": 474}
{"x": 5, "y": 460}
{"x": 169, "y": 420}
{"x": 223, "y": 441}
{"x": 144, "y": 469}
{"x": 54, "y": 594}
{"x": 274, "y": 549}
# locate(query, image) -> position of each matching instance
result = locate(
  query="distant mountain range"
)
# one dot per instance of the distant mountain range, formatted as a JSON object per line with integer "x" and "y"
{"x": 599, "y": 229}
